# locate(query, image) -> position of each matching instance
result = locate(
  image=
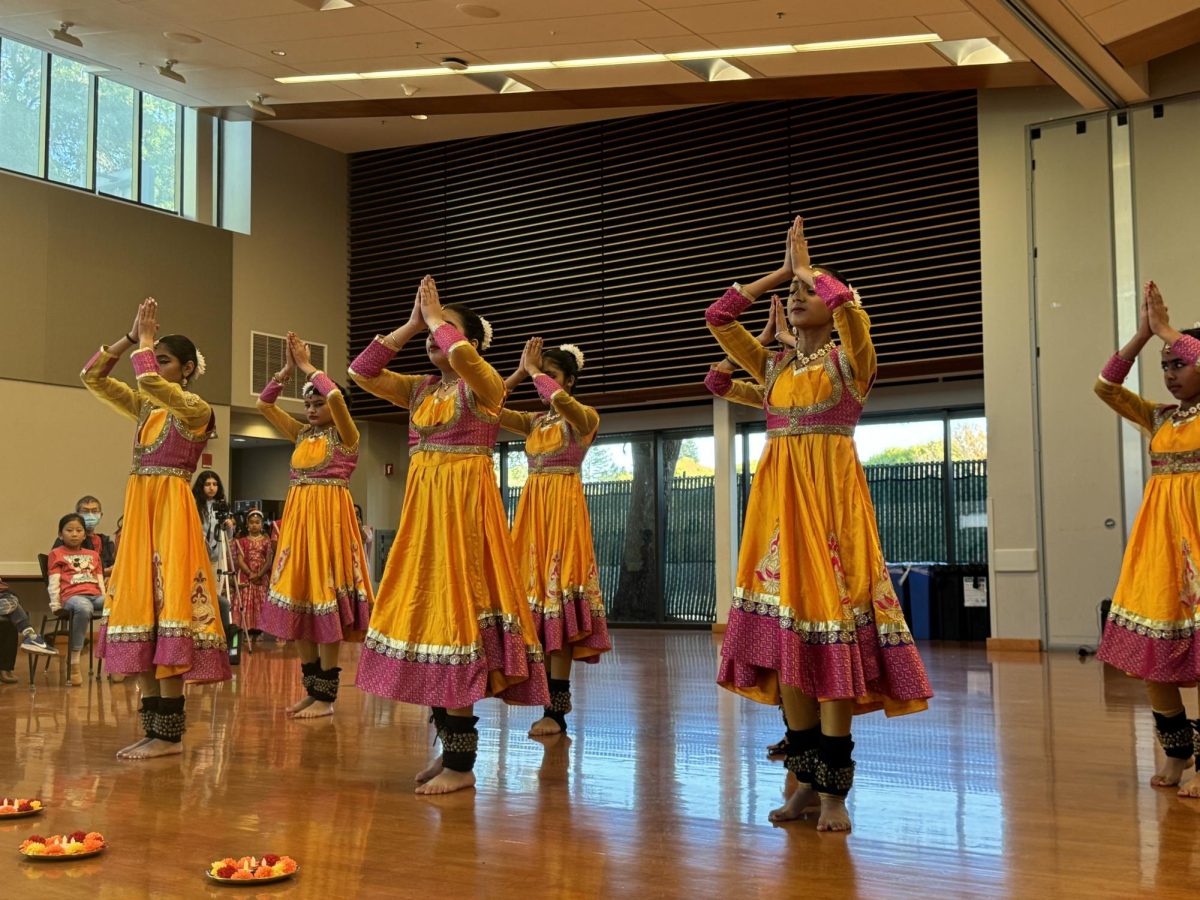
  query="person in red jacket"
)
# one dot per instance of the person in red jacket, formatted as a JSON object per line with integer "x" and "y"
{"x": 76, "y": 584}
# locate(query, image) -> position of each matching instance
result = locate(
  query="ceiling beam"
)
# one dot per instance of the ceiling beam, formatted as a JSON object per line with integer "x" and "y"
{"x": 1024, "y": 27}
{"x": 1158, "y": 40}
{"x": 941, "y": 78}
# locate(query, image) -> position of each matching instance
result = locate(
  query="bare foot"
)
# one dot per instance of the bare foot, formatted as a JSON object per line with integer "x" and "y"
{"x": 429, "y": 772}
{"x": 303, "y": 703}
{"x": 125, "y": 751}
{"x": 544, "y": 727}
{"x": 447, "y": 782}
{"x": 802, "y": 801}
{"x": 834, "y": 815}
{"x": 1192, "y": 788}
{"x": 154, "y": 748}
{"x": 314, "y": 710}
{"x": 1170, "y": 773}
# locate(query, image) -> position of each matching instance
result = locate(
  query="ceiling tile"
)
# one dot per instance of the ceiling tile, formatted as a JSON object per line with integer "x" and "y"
{"x": 442, "y": 14}
{"x": 305, "y": 25}
{"x": 1132, "y": 16}
{"x": 200, "y": 11}
{"x": 754, "y": 14}
{"x": 959, "y": 26}
{"x": 1087, "y": 7}
{"x": 553, "y": 32}
{"x": 568, "y": 51}
{"x": 396, "y": 42}
{"x": 815, "y": 33}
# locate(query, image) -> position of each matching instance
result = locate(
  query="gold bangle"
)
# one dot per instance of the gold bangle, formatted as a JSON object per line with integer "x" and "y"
{"x": 281, "y": 382}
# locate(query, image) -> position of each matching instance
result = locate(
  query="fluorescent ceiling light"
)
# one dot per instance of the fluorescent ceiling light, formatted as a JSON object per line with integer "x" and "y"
{"x": 641, "y": 59}
{"x": 863, "y": 43}
{"x": 512, "y": 67}
{"x": 327, "y": 5}
{"x": 740, "y": 52}
{"x": 309, "y": 79}
{"x": 611, "y": 61}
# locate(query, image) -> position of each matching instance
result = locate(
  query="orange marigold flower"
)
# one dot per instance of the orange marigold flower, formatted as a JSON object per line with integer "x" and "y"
{"x": 264, "y": 872}
{"x": 242, "y": 875}
{"x": 287, "y": 865}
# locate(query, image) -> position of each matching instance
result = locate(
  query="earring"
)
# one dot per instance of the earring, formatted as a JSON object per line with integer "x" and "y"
{"x": 185, "y": 381}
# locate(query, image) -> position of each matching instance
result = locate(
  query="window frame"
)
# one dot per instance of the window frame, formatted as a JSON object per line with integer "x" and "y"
{"x": 91, "y": 186}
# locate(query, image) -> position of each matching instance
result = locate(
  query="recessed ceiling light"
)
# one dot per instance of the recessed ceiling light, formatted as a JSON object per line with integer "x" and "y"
{"x": 279, "y": 53}
{"x": 327, "y": 5}
{"x": 181, "y": 37}
{"x": 420, "y": 117}
{"x": 477, "y": 11}
{"x": 60, "y": 34}
{"x": 977, "y": 52}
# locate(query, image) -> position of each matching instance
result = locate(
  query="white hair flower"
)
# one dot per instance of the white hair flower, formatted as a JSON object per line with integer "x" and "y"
{"x": 487, "y": 333}
{"x": 201, "y": 365}
{"x": 575, "y": 352}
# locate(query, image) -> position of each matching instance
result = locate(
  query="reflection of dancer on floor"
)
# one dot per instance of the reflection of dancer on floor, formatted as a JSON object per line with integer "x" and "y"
{"x": 451, "y": 625}
{"x": 552, "y": 532}
{"x": 815, "y": 621}
{"x": 253, "y": 552}
{"x": 319, "y": 594}
{"x": 161, "y": 620}
{"x": 1151, "y": 629}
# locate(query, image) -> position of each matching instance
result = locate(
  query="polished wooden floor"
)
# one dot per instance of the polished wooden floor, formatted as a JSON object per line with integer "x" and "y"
{"x": 1026, "y": 778}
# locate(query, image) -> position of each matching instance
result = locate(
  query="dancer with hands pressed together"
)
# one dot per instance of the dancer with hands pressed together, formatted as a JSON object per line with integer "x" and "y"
{"x": 161, "y": 620}
{"x": 552, "y": 532}
{"x": 815, "y": 621}
{"x": 450, "y": 625}
{"x": 1155, "y": 613}
{"x": 319, "y": 593}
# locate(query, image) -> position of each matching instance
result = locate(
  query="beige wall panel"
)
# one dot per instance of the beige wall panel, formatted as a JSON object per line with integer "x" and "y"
{"x": 1080, "y": 443}
{"x": 75, "y": 267}
{"x": 290, "y": 272}
{"x": 62, "y": 443}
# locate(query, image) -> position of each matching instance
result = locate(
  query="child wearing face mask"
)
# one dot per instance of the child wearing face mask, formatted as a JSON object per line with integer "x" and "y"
{"x": 76, "y": 585}
{"x": 89, "y": 507}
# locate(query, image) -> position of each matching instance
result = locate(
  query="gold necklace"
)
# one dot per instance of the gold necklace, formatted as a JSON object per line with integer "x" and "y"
{"x": 803, "y": 362}
{"x": 1180, "y": 416}
{"x": 445, "y": 388}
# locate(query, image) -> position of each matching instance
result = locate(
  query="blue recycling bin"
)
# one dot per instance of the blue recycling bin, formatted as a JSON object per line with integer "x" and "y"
{"x": 919, "y": 589}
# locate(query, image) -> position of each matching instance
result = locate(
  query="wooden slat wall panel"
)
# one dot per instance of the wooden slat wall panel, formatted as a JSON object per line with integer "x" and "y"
{"x": 616, "y": 235}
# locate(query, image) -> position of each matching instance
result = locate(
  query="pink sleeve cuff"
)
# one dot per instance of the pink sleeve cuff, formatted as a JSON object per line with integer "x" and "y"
{"x": 831, "y": 291}
{"x": 107, "y": 362}
{"x": 718, "y": 382}
{"x": 447, "y": 336}
{"x": 1187, "y": 348}
{"x": 726, "y": 310}
{"x": 144, "y": 362}
{"x": 373, "y": 360}
{"x": 1116, "y": 369}
{"x": 271, "y": 392}
{"x": 546, "y": 386}
{"x": 323, "y": 383}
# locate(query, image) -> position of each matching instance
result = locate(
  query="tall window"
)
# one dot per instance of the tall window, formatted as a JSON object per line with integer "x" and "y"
{"x": 22, "y": 96}
{"x": 160, "y": 153}
{"x": 70, "y": 122}
{"x": 116, "y": 139}
{"x": 60, "y": 122}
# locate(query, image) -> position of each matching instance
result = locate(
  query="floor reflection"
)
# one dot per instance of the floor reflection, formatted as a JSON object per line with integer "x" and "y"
{"x": 1026, "y": 776}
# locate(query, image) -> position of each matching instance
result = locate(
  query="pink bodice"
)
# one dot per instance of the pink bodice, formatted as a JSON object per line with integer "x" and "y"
{"x": 337, "y": 466}
{"x": 837, "y": 414}
{"x": 566, "y": 459}
{"x": 471, "y": 430}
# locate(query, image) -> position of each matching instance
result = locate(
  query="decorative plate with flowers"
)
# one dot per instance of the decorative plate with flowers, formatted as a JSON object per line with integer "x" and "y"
{"x": 58, "y": 847}
{"x": 253, "y": 869}
{"x": 14, "y": 808}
